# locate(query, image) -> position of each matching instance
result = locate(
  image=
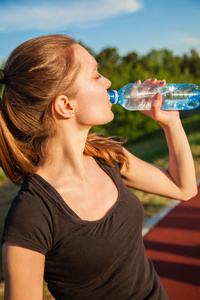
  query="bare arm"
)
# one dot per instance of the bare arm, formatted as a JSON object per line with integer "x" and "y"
{"x": 179, "y": 180}
{"x": 23, "y": 271}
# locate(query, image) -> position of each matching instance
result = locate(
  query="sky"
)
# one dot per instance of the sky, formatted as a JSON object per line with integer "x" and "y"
{"x": 128, "y": 25}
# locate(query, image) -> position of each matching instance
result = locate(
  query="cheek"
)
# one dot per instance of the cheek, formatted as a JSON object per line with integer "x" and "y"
{"x": 93, "y": 107}
{"x": 95, "y": 114}
{"x": 88, "y": 103}
{"x": 89, "y": 115}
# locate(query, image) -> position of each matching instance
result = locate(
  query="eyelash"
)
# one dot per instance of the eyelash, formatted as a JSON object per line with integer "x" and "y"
{"x": 99, "y": 76}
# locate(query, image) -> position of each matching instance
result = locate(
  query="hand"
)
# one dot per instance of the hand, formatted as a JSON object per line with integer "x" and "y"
{"x": 163, "y": 117}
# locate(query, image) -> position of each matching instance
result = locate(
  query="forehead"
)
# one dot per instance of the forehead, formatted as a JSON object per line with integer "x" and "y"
{"x": 83, "y": 57}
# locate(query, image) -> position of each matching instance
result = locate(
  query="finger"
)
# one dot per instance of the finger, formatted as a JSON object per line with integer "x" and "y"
{"x": 155, "y": 107}
{"x": 158, "y": 96}
{"x": 150, "y": 80}
{"x": 161, "y": 82}
{"x": 138, "y": 82}
{"x": 157, "y": 103}
{"x": 155, "y": 81}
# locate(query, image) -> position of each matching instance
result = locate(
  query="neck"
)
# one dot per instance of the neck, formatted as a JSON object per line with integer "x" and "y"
{"x": 64, "y": 157}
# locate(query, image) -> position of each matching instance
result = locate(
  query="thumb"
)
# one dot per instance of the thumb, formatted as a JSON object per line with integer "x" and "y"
{"x": 157, "y": 102}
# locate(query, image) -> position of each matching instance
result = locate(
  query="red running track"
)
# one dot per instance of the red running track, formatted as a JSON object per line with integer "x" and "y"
{"x": 174, "y": 248}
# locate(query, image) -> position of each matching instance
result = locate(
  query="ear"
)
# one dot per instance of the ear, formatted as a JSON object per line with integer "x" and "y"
{"x": 63, "y": 106}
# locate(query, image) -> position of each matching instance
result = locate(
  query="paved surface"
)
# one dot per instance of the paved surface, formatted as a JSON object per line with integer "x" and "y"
{"x": 173, "y": 245}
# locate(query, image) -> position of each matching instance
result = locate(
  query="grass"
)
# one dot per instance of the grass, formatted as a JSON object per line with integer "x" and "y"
{"x": 153, "y": 150}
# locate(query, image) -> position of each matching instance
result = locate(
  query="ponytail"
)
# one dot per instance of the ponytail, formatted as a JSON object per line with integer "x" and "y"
{"x": 15, "y": 159}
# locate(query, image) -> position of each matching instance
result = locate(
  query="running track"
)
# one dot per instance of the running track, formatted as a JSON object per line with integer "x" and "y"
{"x": 173, "y": 245}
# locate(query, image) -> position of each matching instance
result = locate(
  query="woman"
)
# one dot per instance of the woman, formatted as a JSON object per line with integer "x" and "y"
{"x": 75, "y": 221}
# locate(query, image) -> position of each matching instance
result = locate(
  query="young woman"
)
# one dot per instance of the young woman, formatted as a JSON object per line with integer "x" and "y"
{"x": 74, "y": 221}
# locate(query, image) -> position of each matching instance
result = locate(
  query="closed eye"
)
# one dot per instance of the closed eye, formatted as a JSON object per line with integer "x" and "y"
{"x": 98, "y": 76}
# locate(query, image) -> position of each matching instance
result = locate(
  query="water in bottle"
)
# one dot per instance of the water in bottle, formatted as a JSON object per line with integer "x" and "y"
{"x": 175, "y": 96}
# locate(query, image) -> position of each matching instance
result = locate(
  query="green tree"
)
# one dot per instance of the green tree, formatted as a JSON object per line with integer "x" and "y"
{"x": 194, "y": 63}
{"x": 131, "y": 59}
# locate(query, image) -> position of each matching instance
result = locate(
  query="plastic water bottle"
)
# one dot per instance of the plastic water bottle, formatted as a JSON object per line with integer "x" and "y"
{"x": 175, "y": 96}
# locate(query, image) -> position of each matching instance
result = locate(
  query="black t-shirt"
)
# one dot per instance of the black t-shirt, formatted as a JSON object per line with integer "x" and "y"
{"x": 103, "y": 259}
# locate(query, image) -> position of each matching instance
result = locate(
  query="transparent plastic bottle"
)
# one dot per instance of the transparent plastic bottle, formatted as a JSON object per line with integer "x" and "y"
{"x": 175, "y": 96}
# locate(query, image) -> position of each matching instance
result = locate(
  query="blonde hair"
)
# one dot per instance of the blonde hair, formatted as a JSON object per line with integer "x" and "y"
{"x": 35, "y": 73}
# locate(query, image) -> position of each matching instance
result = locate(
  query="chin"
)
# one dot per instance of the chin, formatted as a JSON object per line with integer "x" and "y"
{"x": 108, "y": 120}
{"x": 102, "y": 121}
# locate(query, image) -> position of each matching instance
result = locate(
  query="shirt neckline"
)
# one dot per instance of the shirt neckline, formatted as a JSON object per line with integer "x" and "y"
{"x": 65, "y": 207}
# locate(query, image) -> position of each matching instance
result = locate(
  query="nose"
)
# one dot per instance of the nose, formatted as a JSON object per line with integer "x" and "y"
{"x": 108, "y": 83}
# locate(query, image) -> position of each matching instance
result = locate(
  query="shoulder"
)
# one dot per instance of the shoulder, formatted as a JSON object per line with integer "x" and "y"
{"x": 29, "y": 219}
{"x": 112, "y": 170}
{"x": 30, "y": 203}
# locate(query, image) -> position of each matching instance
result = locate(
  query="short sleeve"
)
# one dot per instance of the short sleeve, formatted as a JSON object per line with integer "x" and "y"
{"x": 29, "y": 224}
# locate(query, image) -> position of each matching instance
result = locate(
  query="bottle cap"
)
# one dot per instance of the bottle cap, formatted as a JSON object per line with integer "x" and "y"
{"x": 113, "y": 96}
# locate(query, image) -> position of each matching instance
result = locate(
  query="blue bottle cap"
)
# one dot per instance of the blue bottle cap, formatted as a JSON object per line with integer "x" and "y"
{"x": 113, "y": 96}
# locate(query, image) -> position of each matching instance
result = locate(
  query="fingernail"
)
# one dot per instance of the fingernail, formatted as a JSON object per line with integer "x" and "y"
{"x": 152, "y": 79}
